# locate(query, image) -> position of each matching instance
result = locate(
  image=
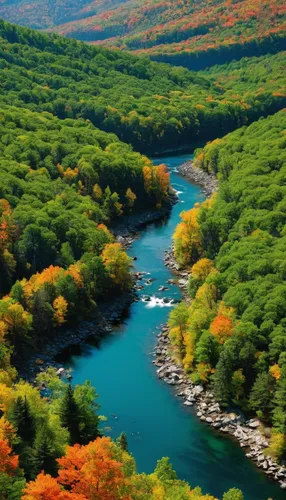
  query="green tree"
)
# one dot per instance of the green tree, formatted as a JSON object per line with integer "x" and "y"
{"x": 23, "y": 420}
{"x": 44, "y": 457}
{"x": 260, "y": 395}
{"x": 164, "y": 470}
{"x": 279, "y": 401}
{"x": 70, "y": 415}
{"x": 122, "y": 441}
{"x": 233, "y": 494}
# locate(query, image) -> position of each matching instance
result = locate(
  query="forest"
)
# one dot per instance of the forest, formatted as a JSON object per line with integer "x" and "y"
{"x": 233, "y": 334}
{"x": 193, "y": 34}
{"x": 152, "y": 106}
{"x": 76, "y": 122}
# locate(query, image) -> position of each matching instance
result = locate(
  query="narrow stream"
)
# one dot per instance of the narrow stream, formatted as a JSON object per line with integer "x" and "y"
{"x": 134, "y": 400}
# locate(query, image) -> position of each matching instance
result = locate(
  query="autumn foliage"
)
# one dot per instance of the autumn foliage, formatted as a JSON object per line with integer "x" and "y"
{"x": 8, "y": 461}
{"x": 221, "y": 327}
{"x": 187, "y": 238}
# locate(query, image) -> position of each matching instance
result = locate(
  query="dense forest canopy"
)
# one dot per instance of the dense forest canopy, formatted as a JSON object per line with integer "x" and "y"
{"x": 195, "y": 34}
{"x": 152, "y": 106}
{"x": 71, "y": 114}
{"x": 234, "y": 331}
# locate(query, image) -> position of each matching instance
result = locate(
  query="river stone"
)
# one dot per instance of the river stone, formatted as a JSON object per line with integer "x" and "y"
{"x": 253, "y": 424}
{"x": 188, "y": 403}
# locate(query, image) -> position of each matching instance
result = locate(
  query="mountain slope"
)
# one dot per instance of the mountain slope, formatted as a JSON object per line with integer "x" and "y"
{"x": 52, "y": 12}
{"x": 152, "y": 106}
{"x": 194, "y": 34}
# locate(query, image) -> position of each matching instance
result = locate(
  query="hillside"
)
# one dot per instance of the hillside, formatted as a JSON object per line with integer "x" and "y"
{"x": 234, "y": 245}
{"x": 152, "y": 106}
{"x": 193, "y": 34}
{"x": 52, "y": 12}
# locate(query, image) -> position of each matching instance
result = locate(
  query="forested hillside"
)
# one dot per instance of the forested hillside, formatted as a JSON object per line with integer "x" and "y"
{"x": 234, "y": 331}
{"x": 52, "y": 12}
{"x": 152, "y": 106}
{"x": 76, "y": 122}
{"x": 195, "y": 34}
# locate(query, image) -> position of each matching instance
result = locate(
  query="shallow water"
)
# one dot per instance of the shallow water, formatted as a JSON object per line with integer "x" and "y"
{"x": 135, "y": 401}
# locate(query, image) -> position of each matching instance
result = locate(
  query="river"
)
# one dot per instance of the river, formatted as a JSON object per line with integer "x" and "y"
{"x": 134, "y": 400}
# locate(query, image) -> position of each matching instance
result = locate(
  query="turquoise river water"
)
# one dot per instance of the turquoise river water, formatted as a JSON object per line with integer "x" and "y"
{"x": 134, "y": 400}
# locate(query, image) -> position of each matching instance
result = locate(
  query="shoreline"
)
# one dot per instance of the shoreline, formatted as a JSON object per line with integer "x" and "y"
{"x": 97, "y": 324}
{"x": 245, "y": 431}
{"x": 207, "y": 182}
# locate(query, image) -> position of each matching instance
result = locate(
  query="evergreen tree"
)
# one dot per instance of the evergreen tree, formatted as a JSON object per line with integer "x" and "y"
{"x": 44, "y": 457}
{"x": 85, "y": 399}
{"x": 222, "y": 379}
{"x": 260, "y": 395}
{"x": 23, "y": 420}
{"x": 70, "y": 415}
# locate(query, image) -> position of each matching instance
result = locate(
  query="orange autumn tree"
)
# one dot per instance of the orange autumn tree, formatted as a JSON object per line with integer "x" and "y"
{"x": 92, "y": 470}
{"x": 45, "y": 487}
{"x": 222, "y": 328}
{"x": 156, "y": 182}
{"x": 8, "y": 461}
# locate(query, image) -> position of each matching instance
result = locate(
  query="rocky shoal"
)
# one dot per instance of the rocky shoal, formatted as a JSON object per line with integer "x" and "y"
{"x": 246, "y": 431}
{"x": 207, "y": 182}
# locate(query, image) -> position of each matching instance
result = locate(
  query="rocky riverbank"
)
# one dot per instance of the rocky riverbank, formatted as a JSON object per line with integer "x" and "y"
{"x": 207, "y": 182}
{"x": 246, "y": 431}
{"x": 100, "y": 322}
{"x": 97, "y": 326}
{"x": 126, "y": 228}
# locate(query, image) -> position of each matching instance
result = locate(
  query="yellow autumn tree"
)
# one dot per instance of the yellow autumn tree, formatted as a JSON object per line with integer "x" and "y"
{"x": 130, "y": 198}
{"x": 97, "y": 192}
{"x": 60, "y": 306}
{"x": 202, "y": 269}
{"x": 117, "y": 264}
{"x": 187, "y": 238}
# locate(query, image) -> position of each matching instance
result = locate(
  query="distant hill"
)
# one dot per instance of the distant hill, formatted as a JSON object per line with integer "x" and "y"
{"x": 41, "y": 14}
{"x": 195, "y": 33}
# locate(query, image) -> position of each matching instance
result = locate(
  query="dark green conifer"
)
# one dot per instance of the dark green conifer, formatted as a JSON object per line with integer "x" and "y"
{"x": 70, "y": 416}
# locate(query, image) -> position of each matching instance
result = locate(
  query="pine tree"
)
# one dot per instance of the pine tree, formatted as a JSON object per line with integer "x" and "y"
{"x": 122, "y": 441}
{"x": 260, "y": 395}
{"x": 44, "y": 457}
{"x": 222, "y": 379}
{"x": 70, "y": 417}
{"x": 23, "y": 420}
